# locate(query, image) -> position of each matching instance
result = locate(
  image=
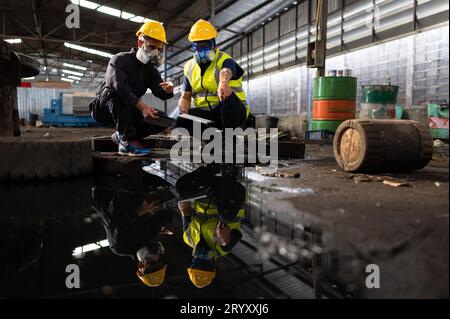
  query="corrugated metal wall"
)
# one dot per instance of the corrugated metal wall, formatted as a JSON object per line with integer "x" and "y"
{"x": 417, "y": 63}
{"x": 430, "y": 66}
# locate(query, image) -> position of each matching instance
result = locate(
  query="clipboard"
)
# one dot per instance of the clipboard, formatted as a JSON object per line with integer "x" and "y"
{"x": 196, "y": 119}
{"x": 163, "y": 120}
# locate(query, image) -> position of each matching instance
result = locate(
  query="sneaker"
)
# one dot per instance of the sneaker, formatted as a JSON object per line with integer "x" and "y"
{"x": 116, "y": 138}
{"x": 133, "y": 151}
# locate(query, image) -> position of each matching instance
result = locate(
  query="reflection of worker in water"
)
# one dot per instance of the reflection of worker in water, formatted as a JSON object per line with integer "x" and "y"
{"x": 211, "y": 225}
{"x": 133, "y": 223}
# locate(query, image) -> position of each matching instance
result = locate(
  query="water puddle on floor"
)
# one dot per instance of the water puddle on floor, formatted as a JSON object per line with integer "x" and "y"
{"x": 177, "y": 231}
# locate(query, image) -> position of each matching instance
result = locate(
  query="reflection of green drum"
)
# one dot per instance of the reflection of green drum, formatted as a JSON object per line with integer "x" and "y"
{"x": 330, "y": 126}
{"x": 335, "y": 88}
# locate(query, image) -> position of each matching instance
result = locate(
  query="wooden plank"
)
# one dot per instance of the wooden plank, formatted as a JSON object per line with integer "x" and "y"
{"x": 105, "y": 144}
{"x": 111, "y": 163}
{"x": 120, "y": 166}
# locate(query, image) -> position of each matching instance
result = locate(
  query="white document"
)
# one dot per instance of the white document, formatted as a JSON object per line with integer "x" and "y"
{"x": 196, "y": 119}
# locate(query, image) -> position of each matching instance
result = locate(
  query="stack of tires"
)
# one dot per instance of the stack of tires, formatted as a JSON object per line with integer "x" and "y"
{"x": 334, "y": 102}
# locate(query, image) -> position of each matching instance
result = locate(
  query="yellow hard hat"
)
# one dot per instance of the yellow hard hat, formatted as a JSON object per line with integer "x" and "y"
{"x": 202, "y": 30}
{"x": 153, "y": 279}
{"x": 201, "y": 278}
{"x": 154, "y": 30}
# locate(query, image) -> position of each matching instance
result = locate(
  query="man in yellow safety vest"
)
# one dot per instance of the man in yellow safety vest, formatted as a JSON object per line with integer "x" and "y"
{"x": 211, "y": 224}
{"x": 213, "y": 80}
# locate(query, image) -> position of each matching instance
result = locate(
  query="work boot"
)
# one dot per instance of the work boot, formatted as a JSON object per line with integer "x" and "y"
{"x": 116, "y": 137}
{"x": 133, "y": 149}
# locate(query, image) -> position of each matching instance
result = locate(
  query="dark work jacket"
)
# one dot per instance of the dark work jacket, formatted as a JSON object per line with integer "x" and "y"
{"x": 125, "y": 230}
{"x": 128, "y": 78}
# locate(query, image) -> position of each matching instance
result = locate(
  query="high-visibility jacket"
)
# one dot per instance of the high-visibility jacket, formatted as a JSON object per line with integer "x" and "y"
{"x": 204, "y": 88}
{"x": 204, "y": 224}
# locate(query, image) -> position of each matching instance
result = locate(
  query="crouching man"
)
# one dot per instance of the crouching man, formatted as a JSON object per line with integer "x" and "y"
{"x": 128, "y": 76}
{"x": 213, "y": 80}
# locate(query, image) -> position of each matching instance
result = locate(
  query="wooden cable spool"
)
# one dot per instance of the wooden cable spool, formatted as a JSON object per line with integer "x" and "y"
{"x": 382, "y": 145}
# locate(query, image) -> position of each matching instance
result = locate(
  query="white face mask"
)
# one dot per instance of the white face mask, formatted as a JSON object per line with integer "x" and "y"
{"x": 146, "y": 56}
{"x": 145, "y": 253}
{"x": 143, "y": 56}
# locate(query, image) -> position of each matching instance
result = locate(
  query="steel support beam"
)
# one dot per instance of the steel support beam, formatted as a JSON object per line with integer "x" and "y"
{"x": 317, "y": 50}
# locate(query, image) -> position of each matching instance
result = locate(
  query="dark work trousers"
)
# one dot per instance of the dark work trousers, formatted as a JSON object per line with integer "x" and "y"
{"x": 230, "y": 113}
{"x": 110, "y": 110}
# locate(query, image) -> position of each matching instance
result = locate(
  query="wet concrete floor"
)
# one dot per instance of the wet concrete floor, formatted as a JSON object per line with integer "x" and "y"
{"x": 310, "y": 234}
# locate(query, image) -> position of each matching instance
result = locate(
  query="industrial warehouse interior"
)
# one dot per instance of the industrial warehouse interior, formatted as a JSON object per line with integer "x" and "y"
{"x": 224, "y": 149}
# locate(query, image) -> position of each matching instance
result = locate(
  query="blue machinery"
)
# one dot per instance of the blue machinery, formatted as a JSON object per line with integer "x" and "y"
{"x": 61, "y": 115}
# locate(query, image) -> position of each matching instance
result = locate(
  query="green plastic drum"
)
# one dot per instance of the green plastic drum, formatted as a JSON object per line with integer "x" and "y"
{"x": 326, "y": 125}
{"x": 379, "y": 94}
{"x": 335, "y": 88}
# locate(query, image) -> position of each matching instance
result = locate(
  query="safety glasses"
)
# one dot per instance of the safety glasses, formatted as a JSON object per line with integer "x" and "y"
{"x": 203, "y": 45}
{"x": 150, "y": 47}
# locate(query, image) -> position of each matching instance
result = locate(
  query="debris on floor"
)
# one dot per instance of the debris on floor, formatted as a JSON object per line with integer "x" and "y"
{"x": 386, "y": 180}
{"x": 283, "y": 172}
{"x": 396, "y": 184}
{"x": 438, "y": 143}
{"x": 362, "y": 179}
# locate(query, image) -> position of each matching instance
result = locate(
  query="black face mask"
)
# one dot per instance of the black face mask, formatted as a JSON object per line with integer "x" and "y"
{"x": 204, "y": 51}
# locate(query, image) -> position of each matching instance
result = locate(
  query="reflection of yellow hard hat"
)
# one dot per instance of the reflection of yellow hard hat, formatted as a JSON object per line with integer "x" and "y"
{"x": 153, "y": 279}
{"x": 154, "y": 30}
{"x": 201, "y": 278}
{"x": 202, "y": 30}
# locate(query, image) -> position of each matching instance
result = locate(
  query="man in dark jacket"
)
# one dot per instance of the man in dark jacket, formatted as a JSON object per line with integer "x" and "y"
{"x": 128, "y": 76}
{"x": 133, "y": 223}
